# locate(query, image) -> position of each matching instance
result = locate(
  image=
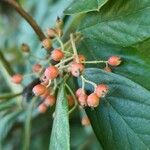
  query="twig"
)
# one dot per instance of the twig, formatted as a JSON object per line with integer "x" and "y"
{"x": 6, "y": 64}
{"x": 74, "y": 47}
{"x": 28, "y": 18}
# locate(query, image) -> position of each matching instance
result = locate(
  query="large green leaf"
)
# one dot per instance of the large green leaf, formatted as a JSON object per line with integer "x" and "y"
{"x": 83, "y": 6}
{"x": 119, "y": 22}
{"x": 135, "y": 60}
{"x": 60, "y": 136}
{"x": 122, "y": 120}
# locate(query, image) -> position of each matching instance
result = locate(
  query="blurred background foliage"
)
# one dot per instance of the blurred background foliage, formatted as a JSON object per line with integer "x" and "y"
{"x": 14, "y": 121}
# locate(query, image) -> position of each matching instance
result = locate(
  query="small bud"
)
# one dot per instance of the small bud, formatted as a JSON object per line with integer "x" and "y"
{"x": 93, "y": 100}
{"x": 47, "y": 44}
{"x": 101, "y": 90}
{"x": 50, "y": 100}
{"x": 51, "y": 72}
{"x": 114, "y": 60}
{"x": 59, "y": 23}
{"x": 57, "y": 55}
{"x": 42, "y": 108}
{"x": 85, "y": 121}
{"x": 17, "y": 78}
{"x": 36, "y": 68}
{"x": 59, "y": 32}
{"x": 39, "y": 89}
{"x": 25, "y": 48}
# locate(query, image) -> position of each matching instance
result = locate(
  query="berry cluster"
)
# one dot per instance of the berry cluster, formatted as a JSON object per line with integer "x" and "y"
{"x": 67, "y": 62}
{"x": 93, "y": 99}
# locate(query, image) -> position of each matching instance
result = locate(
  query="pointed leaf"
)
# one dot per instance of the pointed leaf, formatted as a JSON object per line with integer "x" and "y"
{"x": 83, "y": 6}
{"x": 121, "y": 22}
{"x": 60, "y": 136}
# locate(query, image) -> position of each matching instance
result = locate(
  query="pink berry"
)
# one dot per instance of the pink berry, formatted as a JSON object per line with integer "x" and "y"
{"x": 51, "y": 33}
{"x": 51, "y": 72}
{"x": 42, "y": 108}
{"x": 79, "y": 92}
{"x": 82, "y": 99}
{"x": 85, "y": 121}
{"x": 50, "y": 100}
{"x": 101, "y": 90}
{"x": 17, "y": 78}
{"x": 57, "y": 55}
{"x": 70, "y": 100}
{"x": 39, "y": 89}
{"x": 114, "y": 60}
{"x": 47, "y": 44}
{"x": 36, "y": 68}
{"x": 76, "y": 69}
{"x": 93, "y": 100}
{"x": 81, "y": 58}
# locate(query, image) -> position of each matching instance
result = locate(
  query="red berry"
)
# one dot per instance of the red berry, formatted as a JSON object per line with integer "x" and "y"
{"x": 57, "y": 55}
{"x": 76, "y": 69}
{"x": 17, "y": 78}
{"x": 107, "y": 69}
{"x": 81, "y": 58}
{"x": 93, "y": 100}
{"x": 42, "y": 108}
{"x": 51, "y": 72}
{"x": 45, "y": 94}
{"x": 70, "y": 100}
{"x": 79, "y": 92}
{"x": 85, "y": 121}
{"x": 36, "y": 68}
{"x": 114, "y": 60}
{"x": 101, "y": 90}
{"x": 50, "y": 100}
{"x": 82, "y": 100}
{"x": 39, "y": 89}
{"x": 47, "y": 44}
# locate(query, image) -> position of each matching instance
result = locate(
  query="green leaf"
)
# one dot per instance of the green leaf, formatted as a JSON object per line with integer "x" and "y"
{"x": 7, "y": 122}
{"x": 60, "y": 136}
{"x": 122, "y": 120}
{"x": 83, "y": 6}
{"x": 121, "y": 22}
{"x": 135, "y": 60}
{"x": 27, "y": 125}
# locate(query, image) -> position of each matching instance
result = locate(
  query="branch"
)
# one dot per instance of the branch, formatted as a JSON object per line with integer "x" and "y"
{"x": 6, "y": 64}
{"x": 28, "y": 18}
